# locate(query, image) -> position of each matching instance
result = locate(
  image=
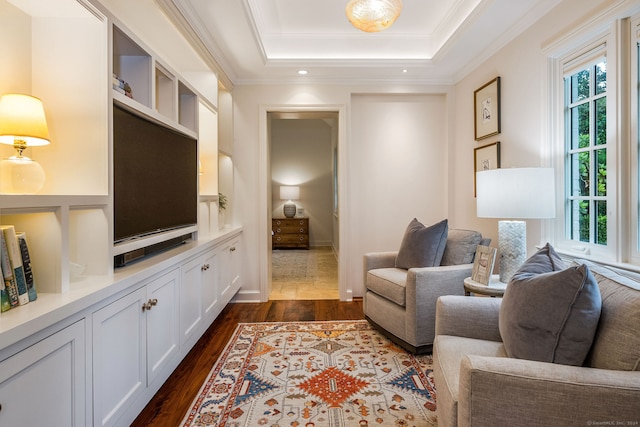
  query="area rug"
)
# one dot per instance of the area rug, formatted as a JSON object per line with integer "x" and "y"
{"x": 314, "y": 374}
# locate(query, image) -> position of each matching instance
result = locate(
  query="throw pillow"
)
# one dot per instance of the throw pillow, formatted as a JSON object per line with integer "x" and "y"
{"x": 550, "y": 313}
{"x": 461, "y": 247}
{"x": 422, "y": 246}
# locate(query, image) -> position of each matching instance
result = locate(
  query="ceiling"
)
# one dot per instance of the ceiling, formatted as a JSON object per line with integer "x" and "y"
{"x": 432, "y": 42}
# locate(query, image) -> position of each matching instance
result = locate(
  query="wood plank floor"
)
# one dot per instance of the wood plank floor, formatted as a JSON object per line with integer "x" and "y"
{"x": 173, "y": 400}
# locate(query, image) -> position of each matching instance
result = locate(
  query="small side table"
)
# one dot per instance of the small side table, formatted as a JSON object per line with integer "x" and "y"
{"x": 495, "y": 288}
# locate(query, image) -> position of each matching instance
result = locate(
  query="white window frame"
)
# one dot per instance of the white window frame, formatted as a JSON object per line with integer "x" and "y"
{"x": 573, "y": 59}
{"x": 634, "y": 143}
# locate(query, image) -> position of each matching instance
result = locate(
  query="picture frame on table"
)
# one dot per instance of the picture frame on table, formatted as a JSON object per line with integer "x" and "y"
{"x": 485, "y": 158}
{"x": 486, "y": 109}
{"x": 483, "y": 264}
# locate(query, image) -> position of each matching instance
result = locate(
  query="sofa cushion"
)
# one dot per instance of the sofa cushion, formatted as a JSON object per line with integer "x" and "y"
{"x": 448, "y": 354}
{"x": 422, "y": 246}
{"x": 617, "y": 342}
{"x": 389, "y": 283}
{"x": 550, "y": 313}
{"x": 461, "y": 247}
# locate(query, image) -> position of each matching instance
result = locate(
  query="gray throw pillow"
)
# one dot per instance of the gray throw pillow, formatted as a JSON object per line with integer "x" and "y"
{"x": 461, "y": 247}
{"x": 422, "y": 246}
{"x": 550, "y": 313}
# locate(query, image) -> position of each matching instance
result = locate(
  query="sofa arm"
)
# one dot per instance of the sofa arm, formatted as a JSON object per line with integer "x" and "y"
{"x": 373, "y": 260}
{"x": 515, "y": 392}
{"x": 471, "y": 317}
{"x": 423, "y": 287}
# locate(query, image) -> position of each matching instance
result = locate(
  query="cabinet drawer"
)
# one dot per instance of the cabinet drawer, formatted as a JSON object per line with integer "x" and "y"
{"x": 290, "y": 222}
{"x": 288, "y": 229}
{"x": 291, "y": 239}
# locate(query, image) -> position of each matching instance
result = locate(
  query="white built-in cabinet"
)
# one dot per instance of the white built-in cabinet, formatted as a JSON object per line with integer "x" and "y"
{"x": 133, "y": 339}
{"x": 44, "y": 384}
{"x": 99, "y": 342}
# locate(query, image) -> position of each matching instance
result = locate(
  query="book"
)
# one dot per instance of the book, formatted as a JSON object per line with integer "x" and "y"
{"x": 26, "y": 265}
{"x": 7, "y": 273}
{"x": 15, "y": 259}
{"x": 4, "y": 297}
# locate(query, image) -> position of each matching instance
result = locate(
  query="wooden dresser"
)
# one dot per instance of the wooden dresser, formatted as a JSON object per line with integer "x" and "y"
{"x": 290, "y": 233}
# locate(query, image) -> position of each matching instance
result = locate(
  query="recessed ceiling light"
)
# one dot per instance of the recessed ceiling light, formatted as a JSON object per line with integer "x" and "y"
{"x": 405, "y": 71}
{"x": 302, "y": 72}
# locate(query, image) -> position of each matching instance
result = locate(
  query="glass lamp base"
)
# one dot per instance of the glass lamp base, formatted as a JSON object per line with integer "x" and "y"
{"x": 21, "y": 175}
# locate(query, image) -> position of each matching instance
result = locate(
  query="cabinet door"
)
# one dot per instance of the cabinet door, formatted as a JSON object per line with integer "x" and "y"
{"x": 44, "y": 385}
{"x": 210, "y": 286}
{"x": 119, "y": 356}
{"x": 229, "y": 270}
{"x": 190, "y": 301}
{"x": 162, "y": 322}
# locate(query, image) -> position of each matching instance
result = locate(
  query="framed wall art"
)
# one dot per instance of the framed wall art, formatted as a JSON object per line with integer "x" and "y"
{"x": 485, "y": 158}
{"x": 487, "y": 110}
{"x": 483, "y": 264}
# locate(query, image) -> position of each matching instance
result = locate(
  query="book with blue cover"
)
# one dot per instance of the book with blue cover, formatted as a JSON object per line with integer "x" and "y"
{"x": 26, "y": 265}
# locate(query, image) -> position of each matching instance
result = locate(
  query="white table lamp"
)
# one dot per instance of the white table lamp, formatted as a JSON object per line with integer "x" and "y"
{"x": 519, "y": 193}
{"x": 22, "y": 125}
{"x": 289, "y": 193}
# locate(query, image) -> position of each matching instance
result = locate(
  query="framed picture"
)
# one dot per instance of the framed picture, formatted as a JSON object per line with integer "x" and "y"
{"x": 486, "y": 110}
{"x": 483, "y": 264}
{"x": 485, "y": 158}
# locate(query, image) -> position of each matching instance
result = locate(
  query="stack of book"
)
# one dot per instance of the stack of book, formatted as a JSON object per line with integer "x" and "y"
{"x": 122, "y": 86}
{"x": 18, "y": 286}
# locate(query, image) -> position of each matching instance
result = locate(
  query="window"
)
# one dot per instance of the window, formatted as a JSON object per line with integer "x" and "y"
{"x": 586, "y": 154}
{"x": 594, "y": 112}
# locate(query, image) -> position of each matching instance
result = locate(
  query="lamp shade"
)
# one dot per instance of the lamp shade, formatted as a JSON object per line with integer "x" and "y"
{"x": 517, "y": 193}
{"x": 22, "y": 118}
{"x": 373, "y": 15}
{"x": 289, "y": 192}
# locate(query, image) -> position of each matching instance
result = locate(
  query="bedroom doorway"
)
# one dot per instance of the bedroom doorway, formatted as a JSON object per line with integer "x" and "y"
{"x": 303, "y": 149}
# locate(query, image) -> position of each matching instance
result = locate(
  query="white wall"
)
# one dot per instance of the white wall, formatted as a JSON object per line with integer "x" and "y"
{"x": 301, "y": 155}
{"x": 393, "y": 167}
{"x": 522, "y": 66}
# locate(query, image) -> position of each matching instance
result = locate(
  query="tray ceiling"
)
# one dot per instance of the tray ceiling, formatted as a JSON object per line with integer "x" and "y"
{"x": 433, "y": 41}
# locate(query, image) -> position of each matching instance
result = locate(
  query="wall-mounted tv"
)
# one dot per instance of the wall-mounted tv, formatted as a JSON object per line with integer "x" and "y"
{"x": 155, "y": 173}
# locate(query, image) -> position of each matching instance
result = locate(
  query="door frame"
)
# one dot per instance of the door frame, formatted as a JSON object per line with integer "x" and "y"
{"x": 264, "y": 193}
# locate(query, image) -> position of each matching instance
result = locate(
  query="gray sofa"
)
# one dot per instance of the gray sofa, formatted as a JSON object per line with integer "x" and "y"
{"x": 479, "y": 385}
{"x": 402, "y": 303}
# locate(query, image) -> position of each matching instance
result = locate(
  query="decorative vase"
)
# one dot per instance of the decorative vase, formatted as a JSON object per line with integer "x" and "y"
{"x": 289, "y": 210}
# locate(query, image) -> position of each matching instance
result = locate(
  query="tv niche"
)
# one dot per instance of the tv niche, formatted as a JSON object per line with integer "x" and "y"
{"x": 155, "y": 180}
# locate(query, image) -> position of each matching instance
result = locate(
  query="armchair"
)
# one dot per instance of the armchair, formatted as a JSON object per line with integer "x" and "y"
{"x": 401, "y": 303}
{"x": 479, "y": 385}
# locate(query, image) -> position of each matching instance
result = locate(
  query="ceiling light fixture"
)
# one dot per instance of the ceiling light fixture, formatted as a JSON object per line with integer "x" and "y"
{"x": 303, "y": 72}
{"x": 373, "y": 15}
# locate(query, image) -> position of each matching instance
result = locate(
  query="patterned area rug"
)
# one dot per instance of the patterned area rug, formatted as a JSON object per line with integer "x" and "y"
{"x": 313, "y": 374}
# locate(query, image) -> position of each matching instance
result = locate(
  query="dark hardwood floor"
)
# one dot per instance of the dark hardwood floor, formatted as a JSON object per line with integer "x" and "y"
{"x": 173, "y": 400}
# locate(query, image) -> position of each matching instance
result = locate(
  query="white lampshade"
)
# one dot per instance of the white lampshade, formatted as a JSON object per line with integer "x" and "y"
{"x": 373, "y": 15}
{"x": 22, "y": 124}
{"x": 517, "y": 193}
{"x": 22, "y": 117}
{"x": 514, "y": 194}
{"x": 289, "y": 192}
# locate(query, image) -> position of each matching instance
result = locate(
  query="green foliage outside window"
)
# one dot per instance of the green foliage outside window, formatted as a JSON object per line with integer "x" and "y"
{"x": 587, "y": 156}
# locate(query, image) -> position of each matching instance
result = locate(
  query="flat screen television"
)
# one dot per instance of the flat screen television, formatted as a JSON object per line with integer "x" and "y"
{"x": 155, "y": 173}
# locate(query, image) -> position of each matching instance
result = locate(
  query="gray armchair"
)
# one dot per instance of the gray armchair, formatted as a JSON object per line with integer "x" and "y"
{"x": 479, "y": 385}
{"x": 402, "y": 303}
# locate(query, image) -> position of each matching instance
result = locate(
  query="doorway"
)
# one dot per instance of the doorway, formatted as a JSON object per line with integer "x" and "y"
{"x": 303, "y": 150}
